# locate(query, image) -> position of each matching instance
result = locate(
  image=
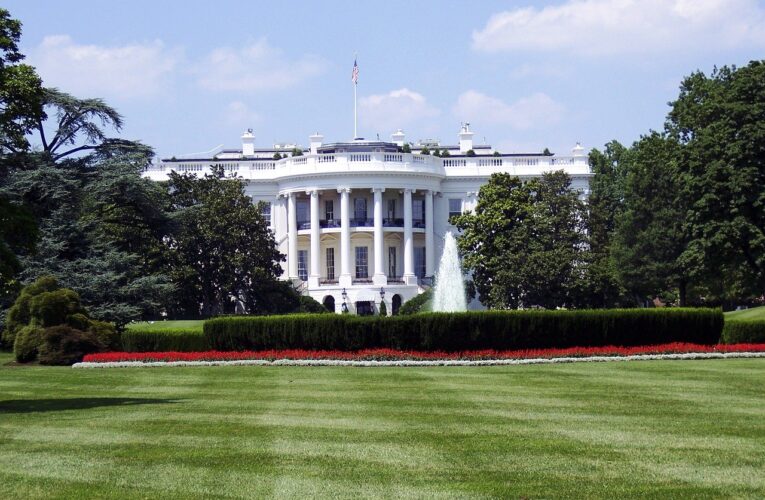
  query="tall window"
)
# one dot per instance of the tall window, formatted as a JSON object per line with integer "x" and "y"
{"x": 392, "y": 262}
{"x": 455, "y": 207}
{"x": 303, "y": 265}
{"x": 330, "y": 263}
{"x": 419, "y": 262}
{"x": 391, "y": 209}
{"x": 302, "y": 212}
{"x": 418, "y": 210}
{"x": 329, "y": 209}
{"x": 360, "y": 208}
{"x": 265, "y": 211}
{"x": 362, "y": 267}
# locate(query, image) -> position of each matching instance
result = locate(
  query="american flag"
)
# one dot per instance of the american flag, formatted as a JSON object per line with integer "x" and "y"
{"x": 355, "y": 73}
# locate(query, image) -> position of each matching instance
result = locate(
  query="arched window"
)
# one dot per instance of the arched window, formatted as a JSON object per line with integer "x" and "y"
{"x": 329, "y": 303}
{"x": 396, "y": 304}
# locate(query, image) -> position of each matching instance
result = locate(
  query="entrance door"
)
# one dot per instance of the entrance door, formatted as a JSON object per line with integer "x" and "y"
{"x": 364, "y": 308}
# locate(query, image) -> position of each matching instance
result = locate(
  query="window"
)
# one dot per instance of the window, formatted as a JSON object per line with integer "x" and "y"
{"x": 302, "y": 212}
{"x": 265, "y": 211}
{"x": 362, "y": 268}
{"x": 419, "y": 262}
{"x": 418, "y": 210}
{"x": 330, "y": 263}
{"x": 303, "y": 265}
{"x": 392, "y": 262}
{"x": 360, "y": 208}
{"x": 391, "y": 209}
{"x": 455, "y": 207}
{"x": 329, "y": 209}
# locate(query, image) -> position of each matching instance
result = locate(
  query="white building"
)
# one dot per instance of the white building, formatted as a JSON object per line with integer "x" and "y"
{"x": 363, "y": 221}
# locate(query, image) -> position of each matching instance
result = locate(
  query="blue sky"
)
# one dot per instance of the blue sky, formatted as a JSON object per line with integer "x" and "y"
{"x": 188, "y": 76}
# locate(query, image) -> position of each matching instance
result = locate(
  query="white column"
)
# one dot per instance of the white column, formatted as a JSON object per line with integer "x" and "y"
{"x": 379, "y": 277}
{"x": 345, "y": 239}
{"x": 292, "y": 263}
{"x": 429, "y": 239}
{"x": 409, "y": 277}
{"x": 315, "y": 271}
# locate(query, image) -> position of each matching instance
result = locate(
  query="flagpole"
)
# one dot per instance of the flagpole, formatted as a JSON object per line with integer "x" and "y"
{"x": 354, "y": 110}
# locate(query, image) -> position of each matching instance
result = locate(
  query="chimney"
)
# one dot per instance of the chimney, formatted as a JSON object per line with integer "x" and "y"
{"x": 466, "y": 138}
{"x": 315, "y": 141}
{"x": 398, "y": 138}
{"x": 248, "y": 143}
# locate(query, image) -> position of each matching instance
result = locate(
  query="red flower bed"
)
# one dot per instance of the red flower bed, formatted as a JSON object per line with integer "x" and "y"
{"x": 394, "y": 355}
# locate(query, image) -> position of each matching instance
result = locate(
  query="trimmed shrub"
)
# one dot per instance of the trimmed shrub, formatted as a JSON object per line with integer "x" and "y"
{"x": 500, "y": 330}
{"x": 420, "y": 303}
{"x": 383, "y": 308}
{"x": 170, "y": 339}
{"x": 26, "y": 343}
{"x": 19, "y": 315}
{"x": 64, "y": 345}
{"x": 309, "y": 305}
{"x": 743, "y": 332}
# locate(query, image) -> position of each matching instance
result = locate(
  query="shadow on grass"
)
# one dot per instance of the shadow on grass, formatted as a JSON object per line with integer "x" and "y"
{"x": 60, "y": 404}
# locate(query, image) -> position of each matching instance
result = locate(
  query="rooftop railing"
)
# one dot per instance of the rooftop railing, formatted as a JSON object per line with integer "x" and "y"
{"x": 340, "y": 162}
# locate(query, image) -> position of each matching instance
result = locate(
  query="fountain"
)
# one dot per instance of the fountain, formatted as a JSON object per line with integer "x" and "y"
{"x": 449, "y": 289}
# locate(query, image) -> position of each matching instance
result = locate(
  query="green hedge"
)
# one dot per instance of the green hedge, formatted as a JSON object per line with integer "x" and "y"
{"x": 168, "y": 339}
{"x": 467, "y": 331}
{"x": 743, "y": 332}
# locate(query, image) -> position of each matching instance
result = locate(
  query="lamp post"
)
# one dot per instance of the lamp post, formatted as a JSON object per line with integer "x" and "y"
{"x": 382, "y": 293}
{"x": 345, "y": 296}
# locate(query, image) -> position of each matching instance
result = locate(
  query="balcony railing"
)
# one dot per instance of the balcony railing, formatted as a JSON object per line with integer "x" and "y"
{"x": 304, "y": 224}
{"x": 329, "y": 223}
{"x": 362, "y": 281}
{"x": 328, "y": 281}
{"x": 393, "y": 222}
{"x": 396, "y": 280}
{"x": 418, "y": 223}
{"x": 362, "y": 222}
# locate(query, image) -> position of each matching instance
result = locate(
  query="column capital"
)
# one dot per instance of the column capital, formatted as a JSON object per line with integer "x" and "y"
{"x": 312, "y": 192}
{"x": 374, "y": 190}
{"x": 343, "y": 190}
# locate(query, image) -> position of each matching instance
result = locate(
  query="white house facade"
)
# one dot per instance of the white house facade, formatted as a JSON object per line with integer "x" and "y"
{"x": 363, "y": 221}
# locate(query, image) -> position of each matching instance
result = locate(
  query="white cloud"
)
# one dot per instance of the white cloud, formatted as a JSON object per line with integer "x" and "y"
{"x": 400, "y": 108}
{"x": 128, "y": 71}
{"x": 240, "y": 114}
{"x": 605, "y": 27}
{"x": 534, "y": 111}
{"x": 255, "y": 67}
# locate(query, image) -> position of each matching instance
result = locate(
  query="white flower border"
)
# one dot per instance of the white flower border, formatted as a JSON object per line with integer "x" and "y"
{"x": 412, "y": 362}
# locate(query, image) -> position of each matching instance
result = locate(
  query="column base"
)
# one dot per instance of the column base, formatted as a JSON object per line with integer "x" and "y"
{"x": 410, "y": 279}
{"x": 379, "y": 279}
{"x": 313, "y": 282}
{"x": 345, "y": 280}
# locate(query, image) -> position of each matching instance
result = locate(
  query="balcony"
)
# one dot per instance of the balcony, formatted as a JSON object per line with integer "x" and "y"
{"x": 393, "y": 222}
{"x": 418, "y": 223}
{"x": 362, "y": 222}
{"x": 302, "y": 224}
{"x": 329, "y": 223}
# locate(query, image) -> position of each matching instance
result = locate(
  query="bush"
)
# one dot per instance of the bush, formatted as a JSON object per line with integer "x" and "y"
{"x": 43, "y": 304}
{"x": 501, "y": 330}
{"x": 308, "y": 305}
{"x": 170, "y": 339}
{"x": 743, "y": 332}
{"x": 64, "y": 345}
{"x": 420, "y": 303}
{"x": 18, "y": 315}
{"x": 27, "y": 342}
{"x": 383, "y": 308}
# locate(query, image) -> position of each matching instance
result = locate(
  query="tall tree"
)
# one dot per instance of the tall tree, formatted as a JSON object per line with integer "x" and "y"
{"x": 525, "y": 241}
{"x": 223, "y": 250}
{"x": 720, "y": 122}
{"x": 650, "y": 235}
{"x": 601, "y": 286}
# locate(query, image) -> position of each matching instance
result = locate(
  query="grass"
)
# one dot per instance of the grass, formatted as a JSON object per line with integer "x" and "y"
{"x": 184, "y": 324}
{"x": 753, "y": 314}
{"x": 654, "y": 429}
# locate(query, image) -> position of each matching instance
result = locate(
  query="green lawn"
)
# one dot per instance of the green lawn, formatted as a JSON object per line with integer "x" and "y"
{"x": 657, "y": 429}
{"x": 189, "y": 324}
{"x": 753, "y": 314}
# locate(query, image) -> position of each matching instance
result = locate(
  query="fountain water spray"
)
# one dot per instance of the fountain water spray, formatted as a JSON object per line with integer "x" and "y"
{"x": 449, "y": 290}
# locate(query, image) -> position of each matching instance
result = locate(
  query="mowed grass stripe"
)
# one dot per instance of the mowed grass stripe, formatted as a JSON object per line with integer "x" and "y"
{"x": 690, "y": 428}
